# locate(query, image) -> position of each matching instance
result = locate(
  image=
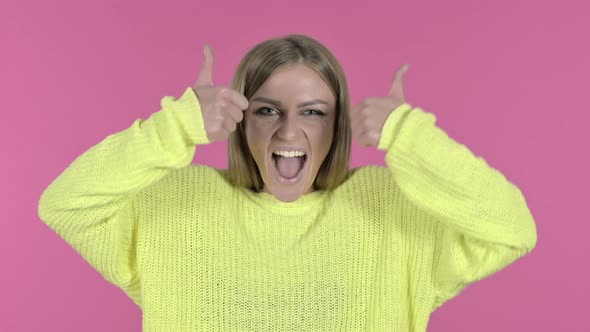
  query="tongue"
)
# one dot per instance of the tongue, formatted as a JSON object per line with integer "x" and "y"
{"x": 289, "y": 166}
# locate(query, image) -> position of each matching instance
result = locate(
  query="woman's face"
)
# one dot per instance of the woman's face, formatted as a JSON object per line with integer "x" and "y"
{"x": 291, "y": 114}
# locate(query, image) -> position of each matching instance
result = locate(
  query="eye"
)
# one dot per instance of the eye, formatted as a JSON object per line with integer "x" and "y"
{"x": 266, "y": 111}
{"x": 314, "y": 112}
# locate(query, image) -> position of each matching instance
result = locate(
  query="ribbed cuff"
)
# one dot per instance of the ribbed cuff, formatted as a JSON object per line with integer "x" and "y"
{"x": 189, "y": 110}
{"x": 392, "y": 126}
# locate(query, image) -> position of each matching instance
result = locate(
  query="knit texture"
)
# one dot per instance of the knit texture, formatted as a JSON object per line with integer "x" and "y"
{"x": 379, "y": 253}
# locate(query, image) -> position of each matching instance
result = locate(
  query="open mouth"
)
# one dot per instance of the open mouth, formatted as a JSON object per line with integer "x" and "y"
{"x": 288, "y": 168}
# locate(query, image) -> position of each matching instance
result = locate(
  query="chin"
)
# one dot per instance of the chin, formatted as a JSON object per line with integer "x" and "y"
{"x": 287, "y": 193}
{"x": 287, "y": 198}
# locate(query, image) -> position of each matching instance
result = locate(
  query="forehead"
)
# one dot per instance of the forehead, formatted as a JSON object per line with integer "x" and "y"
{"x": 295, "y": 83}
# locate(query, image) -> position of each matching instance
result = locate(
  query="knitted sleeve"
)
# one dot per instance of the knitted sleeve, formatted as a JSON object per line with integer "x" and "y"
{"x": 484, "y": 223}
{"x": 91, "y": 205}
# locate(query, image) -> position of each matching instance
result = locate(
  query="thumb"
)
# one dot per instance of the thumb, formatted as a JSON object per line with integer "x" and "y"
{"x": 206, "y": 74}
{"x": 397, "y": 87}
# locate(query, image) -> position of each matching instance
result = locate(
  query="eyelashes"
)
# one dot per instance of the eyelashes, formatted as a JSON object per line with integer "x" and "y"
{"x": 267, "y": 112}
{"x": 261, "y": 111}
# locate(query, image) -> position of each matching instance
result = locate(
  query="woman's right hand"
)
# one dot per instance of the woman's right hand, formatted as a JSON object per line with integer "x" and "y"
{"x": 222, "y": 107}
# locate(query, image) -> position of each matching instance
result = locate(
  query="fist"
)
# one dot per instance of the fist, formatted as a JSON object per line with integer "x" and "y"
{"x": 222, "y": 107}
{"x": 368, "y": 117}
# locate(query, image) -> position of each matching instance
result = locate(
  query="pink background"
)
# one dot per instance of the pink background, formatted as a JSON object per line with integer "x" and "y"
{"x": 508, "y": 79}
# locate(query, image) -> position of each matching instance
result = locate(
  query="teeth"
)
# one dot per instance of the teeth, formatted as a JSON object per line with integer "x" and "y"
{"x": 290, "y": 153}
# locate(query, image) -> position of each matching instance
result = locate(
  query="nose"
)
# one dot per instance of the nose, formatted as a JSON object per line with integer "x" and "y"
{"x": 288, "y": 128}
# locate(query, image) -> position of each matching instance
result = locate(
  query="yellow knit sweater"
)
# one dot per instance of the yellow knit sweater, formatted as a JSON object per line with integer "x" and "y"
{"x": 379, "y": 253}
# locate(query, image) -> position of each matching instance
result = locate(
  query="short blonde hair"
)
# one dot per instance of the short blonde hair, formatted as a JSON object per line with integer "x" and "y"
{"x": 254, "y": 69}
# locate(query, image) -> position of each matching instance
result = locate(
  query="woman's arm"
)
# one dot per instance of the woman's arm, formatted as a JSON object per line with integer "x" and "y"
{"x": 92, "y": 204}
{"x": 484, "y": 221}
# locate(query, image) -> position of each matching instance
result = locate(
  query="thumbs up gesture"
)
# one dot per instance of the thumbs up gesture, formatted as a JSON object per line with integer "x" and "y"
{"x": 368, "y": 117}
{"x": 222, "y": 107}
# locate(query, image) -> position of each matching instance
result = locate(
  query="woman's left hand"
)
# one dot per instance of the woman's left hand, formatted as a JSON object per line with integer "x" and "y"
{"x": 368, "y": 117}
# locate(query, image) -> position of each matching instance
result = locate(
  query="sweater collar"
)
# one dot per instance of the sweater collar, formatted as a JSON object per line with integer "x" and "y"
{"x": 302, "y": 205}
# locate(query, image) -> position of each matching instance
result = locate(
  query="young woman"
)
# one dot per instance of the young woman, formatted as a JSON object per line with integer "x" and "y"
{"x": 287, "y": 238}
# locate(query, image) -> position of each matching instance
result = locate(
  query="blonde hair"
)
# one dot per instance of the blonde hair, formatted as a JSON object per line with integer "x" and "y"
{"x": 254, "y": 69}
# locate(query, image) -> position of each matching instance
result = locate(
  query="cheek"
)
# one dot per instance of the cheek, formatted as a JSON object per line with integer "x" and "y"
{"x": 255, "y": 124}
{"x": 320, "y": 137}
{"x": 258, "y": 131}
{"x": 257, "y": 138}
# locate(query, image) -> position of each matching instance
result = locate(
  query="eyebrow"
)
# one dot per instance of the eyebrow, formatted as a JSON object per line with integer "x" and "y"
{"x": 278, "y": 103}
